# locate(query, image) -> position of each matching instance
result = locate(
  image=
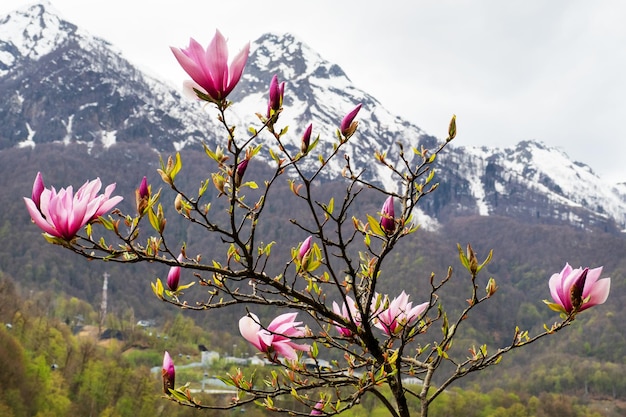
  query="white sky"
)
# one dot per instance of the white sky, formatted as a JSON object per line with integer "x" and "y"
{"x": 510, "y": 70}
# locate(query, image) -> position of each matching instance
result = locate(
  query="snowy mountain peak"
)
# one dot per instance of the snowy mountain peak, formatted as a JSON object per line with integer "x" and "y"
{"x": 291, "y": 58}
{"x": 31, "y": 32}
{"x": 95, "y": 97}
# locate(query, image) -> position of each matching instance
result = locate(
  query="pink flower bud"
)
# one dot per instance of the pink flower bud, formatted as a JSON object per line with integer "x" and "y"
{"x": 142, "y": 196}
{"x": 305, "y": 248}
{"x": 348, "y": 125}
{"x": 387, "y": 221}
{"x": 168, "y": 373}
{"x": 173, "y": 276}
{"x": 317, "y": 409}
{"x": 306, "y": 139}
{"x": 143, "y": 188}
{"x": 38, "y": 187}
{"x": 239, "y": 171}
{"x": 276, "y": 96}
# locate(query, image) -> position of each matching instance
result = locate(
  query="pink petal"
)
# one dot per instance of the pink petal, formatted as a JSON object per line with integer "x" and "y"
{"x": 216, "y": 61}
{"x": 599, "y": 293}
{"x": 249, "y": 328}
{"x": 280, "y": 320}
{"x": 38, "y": 218}
{"x": 237, "y": 67}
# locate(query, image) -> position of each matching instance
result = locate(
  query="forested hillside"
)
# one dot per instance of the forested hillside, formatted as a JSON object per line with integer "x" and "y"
{"x": 524, "y": 258}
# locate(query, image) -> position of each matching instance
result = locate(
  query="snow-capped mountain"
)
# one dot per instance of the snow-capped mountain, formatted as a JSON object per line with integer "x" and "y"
{"x": 61, "y": 84}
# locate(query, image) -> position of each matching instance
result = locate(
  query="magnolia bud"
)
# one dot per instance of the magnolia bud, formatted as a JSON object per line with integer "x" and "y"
{"x": 239, "y": 171}
{"x": 452, "y": 129}
{"x": 306, "y": 139}
{"x": 387, "y": 221}
{"x": 348, "y": 125}
{"x": 142, "y": 196}
{"x": 168, "y": 373}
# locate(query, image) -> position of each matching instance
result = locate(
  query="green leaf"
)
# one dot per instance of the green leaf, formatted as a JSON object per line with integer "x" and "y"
{"x": 314, "y": 350}
{"x": 253, "y": 185}
{"x": 157, "y": 288}
{"x": 462, "y": 257}
{"x": 107, "y": 223}
{"x": 154, "y": 221}
{"x": 555, "y": 307}
{"x": 184, "y": 287}
{"x": 431, "y": 175}
{"x": 177, "y": 166}
{"x": 255, "y": 151}
{"x": 375, "y": 226}
{"x": 203, "y": 187}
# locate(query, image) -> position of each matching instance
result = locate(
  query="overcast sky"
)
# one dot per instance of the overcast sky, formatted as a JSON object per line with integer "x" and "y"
{"x": 510, "y": 70}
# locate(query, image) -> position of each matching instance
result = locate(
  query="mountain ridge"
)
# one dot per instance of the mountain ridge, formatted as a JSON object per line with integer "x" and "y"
{"x": 66, "y": 86}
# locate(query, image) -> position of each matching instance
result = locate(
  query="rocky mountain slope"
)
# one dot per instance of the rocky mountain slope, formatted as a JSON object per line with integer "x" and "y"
{"x": 62, "y": 85}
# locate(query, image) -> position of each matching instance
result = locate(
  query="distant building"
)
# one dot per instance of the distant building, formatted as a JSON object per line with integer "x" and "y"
{"x": 146, "y": 323}
{"x": 209, "y": 356}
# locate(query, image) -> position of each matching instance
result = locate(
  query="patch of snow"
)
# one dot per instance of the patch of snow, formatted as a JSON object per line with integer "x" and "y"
{"x": 425, "y": 221}
{"x": 29, "y": 141}
{"x": 108, "y": 138}
{"x": 84, "y": 106}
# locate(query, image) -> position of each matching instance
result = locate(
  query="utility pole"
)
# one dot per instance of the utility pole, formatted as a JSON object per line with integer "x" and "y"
{"x": 103, "y": 305}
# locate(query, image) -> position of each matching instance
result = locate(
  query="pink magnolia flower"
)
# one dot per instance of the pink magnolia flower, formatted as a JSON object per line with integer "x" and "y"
{"x": 173, "y": 276}
{"x": 143, "y": 190}
{"x": 349, "y": 312}
{"x": 62, "y": 214}
{"x": 317, "y": 409}
{"x": 575, "y": 290}
{"x": 277, "y": 91}
{"x": 398, "y": 315}
{"x": 209, "y": 68}
{"x": 387, "y": 221}
{"x": 142, "y": 196}
{"x": 168, "y": 373}
{"x": 38, "y": 187}
{"x": 275, "y": 340}
{"x": 348, "y": 125}
{"x": 240, "y": 171}
{"x": 306, "y": 139}
{"x": 305, "y": 248}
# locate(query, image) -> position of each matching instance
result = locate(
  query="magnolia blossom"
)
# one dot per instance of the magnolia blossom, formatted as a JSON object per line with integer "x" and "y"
{"x": 387, "y": 221}
{"x": 305, "y": 248}
{"x": 348, "y": 125}
{"x": 277, "y": 91}
{"x": 38, "y": 187}
{"x": 142, "y": 196}
{"x": 317, "y": 408}
{"x": 168, "y": 373}
{"x": 209, "y": 68}
{"x": 575, "y": 290}
{"x": 399, "y": 314}
{"x": 275, "y": 339}
{"x": 240, "y": 171}
{"x": 173, "y": 276}
{"x": 349, "y": 312}
{"x": 62, "y": 214}
{"x": 306, "y": 139}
